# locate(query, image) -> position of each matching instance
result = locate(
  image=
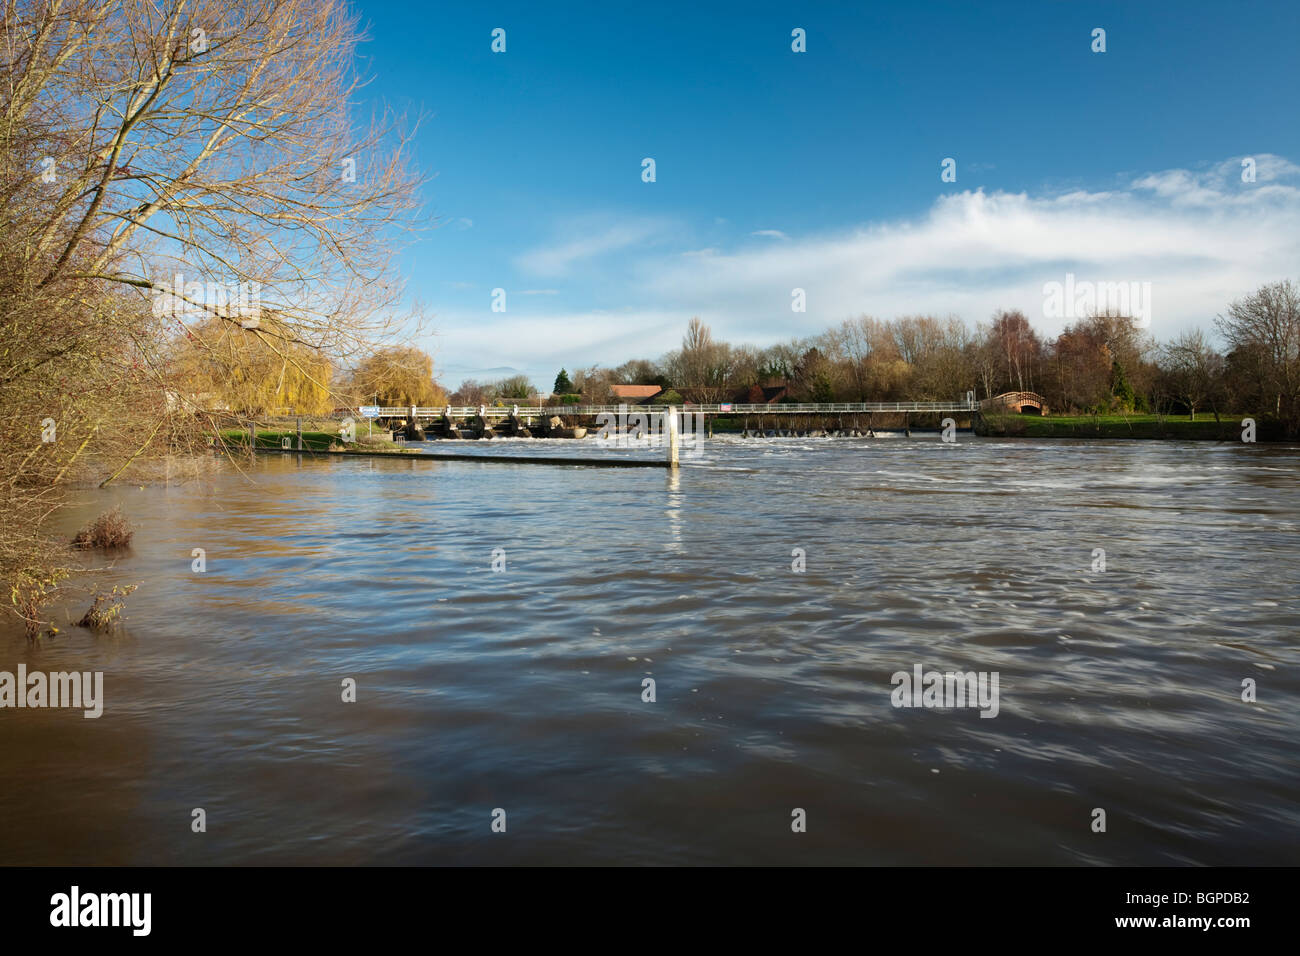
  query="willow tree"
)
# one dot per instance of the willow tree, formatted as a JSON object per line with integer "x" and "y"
{"x": 220, "y": 366}
{"x": 174, "y": 167}
{"x": 396, "y": 376}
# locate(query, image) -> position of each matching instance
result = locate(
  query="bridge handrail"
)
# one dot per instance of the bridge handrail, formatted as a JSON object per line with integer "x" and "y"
{"x": 1014, "y": 398}
{"x": 712, "y": 408}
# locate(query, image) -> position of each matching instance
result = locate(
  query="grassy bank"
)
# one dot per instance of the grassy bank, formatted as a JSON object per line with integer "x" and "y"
{"x": 1176, "y": 427}
{"x": 314, "y": 441}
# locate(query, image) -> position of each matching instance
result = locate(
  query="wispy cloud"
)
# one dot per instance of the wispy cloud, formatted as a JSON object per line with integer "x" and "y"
{"x": 460, "y": 349}
{"x": 585, "y": 242}
{"x": 770, "y": 233}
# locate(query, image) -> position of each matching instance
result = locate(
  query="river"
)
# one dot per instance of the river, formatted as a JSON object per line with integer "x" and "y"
{"x": 770, "y": 589}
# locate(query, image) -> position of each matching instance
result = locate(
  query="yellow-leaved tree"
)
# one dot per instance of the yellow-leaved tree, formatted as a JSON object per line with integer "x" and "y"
{"x": 217, "y": 366}
{"x": 396, "y": 376}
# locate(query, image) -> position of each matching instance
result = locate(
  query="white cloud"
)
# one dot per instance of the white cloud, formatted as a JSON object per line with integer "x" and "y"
{"x": 770, "y": 233}
{"x": 589, "y": 241}
{"x": 1201, "y": 238}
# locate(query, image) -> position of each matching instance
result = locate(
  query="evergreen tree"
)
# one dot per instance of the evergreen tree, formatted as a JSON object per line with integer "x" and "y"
{"x": 1120, "y": 388}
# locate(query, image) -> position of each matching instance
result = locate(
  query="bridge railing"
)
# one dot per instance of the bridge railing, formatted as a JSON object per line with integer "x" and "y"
{"x": 1014, "y": 398}
{"x": 716, "y": 408}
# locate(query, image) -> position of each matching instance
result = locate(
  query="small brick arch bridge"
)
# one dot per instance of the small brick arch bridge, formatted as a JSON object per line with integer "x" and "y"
{"x": 1019, "y": 401}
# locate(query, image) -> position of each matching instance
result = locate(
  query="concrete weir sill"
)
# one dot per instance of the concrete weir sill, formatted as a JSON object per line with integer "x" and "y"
{"x": 505, "y": 459}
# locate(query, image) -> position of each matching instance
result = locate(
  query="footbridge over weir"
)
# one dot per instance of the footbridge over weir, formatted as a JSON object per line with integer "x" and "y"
{"x": 968, "y": 406}
{"x": 421, "y": 412}
{"x": 852, "y": 419}
{"x": 1018, "y": 401}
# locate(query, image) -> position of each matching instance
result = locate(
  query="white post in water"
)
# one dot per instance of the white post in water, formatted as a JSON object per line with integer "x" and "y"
{"x": 672, "y": 436}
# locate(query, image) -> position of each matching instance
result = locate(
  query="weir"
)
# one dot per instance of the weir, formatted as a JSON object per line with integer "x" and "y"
{"x": 668, "y": 424}
{"x": 657, "y": 422}
{"x": 710, "y": 409}
{"x": 793, "y": 419}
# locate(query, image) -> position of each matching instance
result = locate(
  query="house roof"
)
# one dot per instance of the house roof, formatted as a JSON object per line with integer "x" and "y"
{"x": 635, "y": 391}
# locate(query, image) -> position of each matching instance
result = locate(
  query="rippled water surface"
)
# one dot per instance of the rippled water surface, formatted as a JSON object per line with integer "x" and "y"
{"x": 522, "y": 689}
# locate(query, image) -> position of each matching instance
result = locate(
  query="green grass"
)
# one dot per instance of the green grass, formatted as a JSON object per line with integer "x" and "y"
{"x": 313, "y": 441}
{"x": 1180, "y": 427}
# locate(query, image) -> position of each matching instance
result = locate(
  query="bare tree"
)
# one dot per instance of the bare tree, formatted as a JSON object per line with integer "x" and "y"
{"x": 639, "y": 372}
{"x": 985, "y": 359}
{"x": 944, "y": 370}
{"x": 212, "y": 141}
{"x": 470, "y": 392}
{"x": 703, "y": 366}
{"x": 1266, "y": 326}
{"x": 1019, "y": 349}
{"x": 1192, "y": 370}
{"x": 595, "y": 384}
{"x": 853, "y": 342}
{"x": 176, "y": 168}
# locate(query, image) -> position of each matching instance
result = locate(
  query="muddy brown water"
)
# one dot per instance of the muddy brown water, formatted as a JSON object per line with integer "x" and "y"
{"x": 521, "y": 689}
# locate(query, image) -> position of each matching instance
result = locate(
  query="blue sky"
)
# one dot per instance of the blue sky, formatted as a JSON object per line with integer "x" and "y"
{"x": 821, "y": 170}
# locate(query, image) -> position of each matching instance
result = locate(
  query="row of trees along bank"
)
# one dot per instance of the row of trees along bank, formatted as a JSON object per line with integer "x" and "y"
{"x": 1100, "y": 364}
